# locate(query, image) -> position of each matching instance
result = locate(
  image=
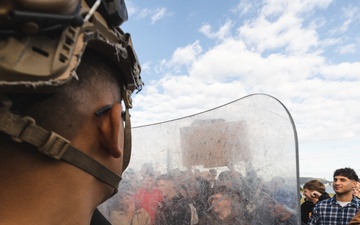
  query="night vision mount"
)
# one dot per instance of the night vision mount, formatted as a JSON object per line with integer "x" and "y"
{"x": 32, "y": 17}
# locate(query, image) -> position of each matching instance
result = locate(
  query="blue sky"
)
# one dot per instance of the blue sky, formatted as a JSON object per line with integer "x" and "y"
{"x": 197, "y": 55}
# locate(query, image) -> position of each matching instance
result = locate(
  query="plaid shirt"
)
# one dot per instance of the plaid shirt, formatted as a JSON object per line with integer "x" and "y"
{"x": 328, "y": 212}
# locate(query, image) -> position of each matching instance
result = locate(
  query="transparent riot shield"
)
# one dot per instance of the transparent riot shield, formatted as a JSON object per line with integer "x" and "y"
{"x": 244, "y": 152}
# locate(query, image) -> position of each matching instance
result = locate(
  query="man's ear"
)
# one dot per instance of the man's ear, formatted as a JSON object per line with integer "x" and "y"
{"x": 112, "y": 131}
{"x": 354, "y": 184}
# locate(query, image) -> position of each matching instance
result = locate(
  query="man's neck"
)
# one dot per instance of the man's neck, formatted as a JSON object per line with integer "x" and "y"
{"x": 44, "y": 192}
{"x": 345, "y": 197}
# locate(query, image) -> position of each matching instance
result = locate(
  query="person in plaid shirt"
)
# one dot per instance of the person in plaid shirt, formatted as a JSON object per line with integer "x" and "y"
{"x": 341, "y": 208}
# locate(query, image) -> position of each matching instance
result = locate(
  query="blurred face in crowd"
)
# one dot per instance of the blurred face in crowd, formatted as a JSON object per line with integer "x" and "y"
{"x": 149, "y": 182}
{"x": 356, "y": 190}
{"x": 166, "y": 187}
{"x": 221, "y": 205}
{"x": 188, "y": 190}
{"x": 127, "y": 200}
{"x": 279, "y": 211}
{"x": 308, "y": 195}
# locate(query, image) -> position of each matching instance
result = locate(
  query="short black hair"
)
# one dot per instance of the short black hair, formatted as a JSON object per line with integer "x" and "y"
{"x": 60, "y": 111}
{"x": 224, "y": 190}
{"x": 165, "y": 176}
{"x": 347, "y": 172}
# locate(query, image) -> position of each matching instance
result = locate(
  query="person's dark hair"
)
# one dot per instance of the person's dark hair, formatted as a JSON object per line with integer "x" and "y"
{"x": 224, "y": 176}
{"x": 231, "y": 179}
{"x": 227, "y": 191}
{"x": 64, "y": 111}
{"x": 203, "y": 187}
{"x": 165, "y": 176}
{"x": 347, "y": 172}
{"x": 230, "y": 194}
{"x": 213, "y": 172}
{"x": 315, "y": 185}
{"x": 148, "y": 169}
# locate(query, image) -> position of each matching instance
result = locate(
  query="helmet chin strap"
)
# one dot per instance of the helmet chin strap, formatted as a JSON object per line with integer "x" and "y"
{"x": 127, "y": 132}
{"x": 24, "y": 129}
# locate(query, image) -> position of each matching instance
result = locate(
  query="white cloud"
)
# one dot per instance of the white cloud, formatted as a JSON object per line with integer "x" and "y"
{"x": 223, "y": 32}
{"x": 347, "y": 49}
{"x": 280, "y": 26}
{"x": 232, "y": 60}
{"x": 272, "y": 7}
{"x": 285, "y": 33}
{"x": 131, "y": 8}
{"x": 146, "y": 67}
{"x": 327, "y": 109}
{"x": 325, "y": 43}
{"x": 351, "y": 15}
{"x": 186, "y": 55}
{"x": 243, "y": 7}
{"x": 182, "y": 57}
{"x": 342, "y": 71}
{"x": 154, "y": 15}
{"x": 177, "y": 96}
{"x": 144, "y": 13}
{"x": 158, "y": 15}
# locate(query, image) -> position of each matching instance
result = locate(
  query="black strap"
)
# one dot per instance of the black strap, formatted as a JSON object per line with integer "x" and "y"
{"x": 24, "y": 129}
{"x": 127, "y": 141}
{"x": 98, "y": 219}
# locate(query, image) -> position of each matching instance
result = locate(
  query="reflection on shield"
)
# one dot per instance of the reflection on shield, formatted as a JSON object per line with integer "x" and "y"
{"x": 250, "y": 143}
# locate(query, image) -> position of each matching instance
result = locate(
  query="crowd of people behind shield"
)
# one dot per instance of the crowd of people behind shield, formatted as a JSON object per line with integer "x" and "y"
{"x": 207, "y": 198}
{"x": 192, "y": 197}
